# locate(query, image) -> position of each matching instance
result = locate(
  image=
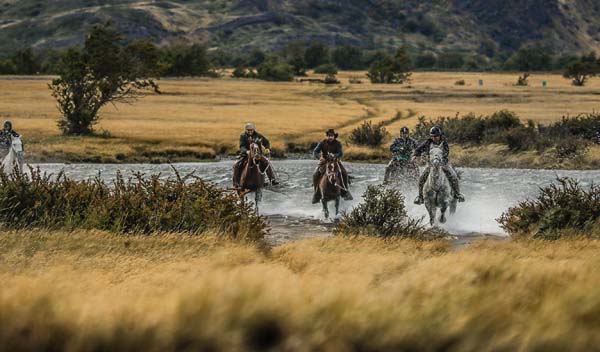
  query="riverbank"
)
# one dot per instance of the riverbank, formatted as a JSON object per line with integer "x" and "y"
{"x": 80, "y": 290}
{"x": 97, "y": 150}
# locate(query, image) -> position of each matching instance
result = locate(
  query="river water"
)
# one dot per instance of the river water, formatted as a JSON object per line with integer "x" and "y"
{"x": 488, "y": 192}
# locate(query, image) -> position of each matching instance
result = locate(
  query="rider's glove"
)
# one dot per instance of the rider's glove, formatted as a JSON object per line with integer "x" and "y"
{"x": 267, "y": 151}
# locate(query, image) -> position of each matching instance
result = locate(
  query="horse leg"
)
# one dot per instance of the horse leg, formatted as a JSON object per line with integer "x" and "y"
{"x": 337, "y": 205}
{"x": 325, "y": 209}
{"x": 431, "y": 209}
{"x": 257, "y": 198}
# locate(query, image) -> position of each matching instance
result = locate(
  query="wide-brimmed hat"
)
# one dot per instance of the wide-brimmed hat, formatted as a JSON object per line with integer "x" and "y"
{"x": 250, "y": 126}
{"x": 331, "y": 131}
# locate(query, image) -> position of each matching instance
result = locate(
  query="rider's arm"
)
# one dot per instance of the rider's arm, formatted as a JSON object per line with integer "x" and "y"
{"x": 243, "y": 140}
{"x": 394, "y": 145}
{"x": 420, "y": 149}
{"x": 340, "y": 150}
{"x": 265, "y": 141}
{"x": 317, "y": 151}
{"x": 446, "y": 149}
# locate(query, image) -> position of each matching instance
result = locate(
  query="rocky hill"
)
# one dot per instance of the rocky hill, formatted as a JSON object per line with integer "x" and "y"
{"x": 485, "y": 26}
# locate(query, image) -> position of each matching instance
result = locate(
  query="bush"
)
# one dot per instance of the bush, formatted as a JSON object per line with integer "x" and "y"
{"x": 523, "y": 81}
{"x": 388, "y": 69}
{"x": 348, "y": 57}
{"x": 329, "y": 69}
{"x": 580, "y": 70}
{"x": 426, "y": 60}
{"x": 330, "y": 79}
{"x": 450, "y": 60}
{"x": 382, "y": 213}
{"x": 273, "y": 71}
{"x": 369, "y": 134}
{"x": 137, "y": 205}
{"x": 460, "y": 82}
{"x": 584, "y": 126}
{"x": 563, "y": 206}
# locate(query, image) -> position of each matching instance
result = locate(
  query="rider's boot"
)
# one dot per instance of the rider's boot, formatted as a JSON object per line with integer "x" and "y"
{"x": 456, "y": 190}
{"x": 316, "y": 196}
{"x": 348, "y": 196}
{"x": 419, "y": 200}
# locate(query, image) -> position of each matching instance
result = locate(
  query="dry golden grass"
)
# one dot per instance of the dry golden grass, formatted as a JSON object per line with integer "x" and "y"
{"x": 91, "y": 290}
{"x": 207, "y": 115}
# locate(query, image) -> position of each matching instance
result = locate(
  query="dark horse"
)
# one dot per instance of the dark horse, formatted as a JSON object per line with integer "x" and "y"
{"x": 252, "y": 178}
{"x": 331, "y": 184}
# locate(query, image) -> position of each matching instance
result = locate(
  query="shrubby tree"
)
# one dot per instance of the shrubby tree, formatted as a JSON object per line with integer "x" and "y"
{"x": 450, "y": 60}
{"x": 329, "y": 69}
{"x": 390, "y": 69}
{"x": 348, "y": 57}
{"x": 273, "y": 70}
{"x": 316, "y": 54}
{"x": 180, "y": 59}
{"x": 26, "y": 62}
{"x": 103, "y": 72}
{"x": 425, "y": 60}
{"x": 534, "y": 58}
{"x": 582, "y": 69}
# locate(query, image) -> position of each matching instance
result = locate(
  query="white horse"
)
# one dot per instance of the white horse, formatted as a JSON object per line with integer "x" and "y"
{"x": 14, "y": 158}
{"x": 437, "y": 192}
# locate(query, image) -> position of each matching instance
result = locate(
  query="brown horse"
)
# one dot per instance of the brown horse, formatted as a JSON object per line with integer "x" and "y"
{"x": 331, "y": 185}
{"x": 252, "y": 178}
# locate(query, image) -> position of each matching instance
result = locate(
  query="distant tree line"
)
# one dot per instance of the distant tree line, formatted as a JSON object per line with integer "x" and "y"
{"x": 194, "y": 59}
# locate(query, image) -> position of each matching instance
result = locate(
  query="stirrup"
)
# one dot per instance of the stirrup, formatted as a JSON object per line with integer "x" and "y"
{"x": 459, "y": 197}
{"x": 418, "y": 200}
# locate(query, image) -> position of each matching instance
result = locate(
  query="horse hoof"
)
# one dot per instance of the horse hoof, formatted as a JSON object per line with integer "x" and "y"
{"x": 442, "y": 219}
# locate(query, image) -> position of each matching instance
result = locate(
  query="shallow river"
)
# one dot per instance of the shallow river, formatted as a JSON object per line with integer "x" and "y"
{"x": 488, "y": 192}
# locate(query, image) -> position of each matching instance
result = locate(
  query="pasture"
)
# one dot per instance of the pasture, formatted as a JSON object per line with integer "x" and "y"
{"x": 198, "y": 118}
{"x": 85, "y": 290}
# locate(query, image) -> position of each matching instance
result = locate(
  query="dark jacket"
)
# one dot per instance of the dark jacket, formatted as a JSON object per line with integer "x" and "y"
{"x": 325, "y": 147}
{"x": 246, "y": 140}
{"x": 403, "y": 146}
{"x": 425, "y": 146}
{"x": 6, "y": 138}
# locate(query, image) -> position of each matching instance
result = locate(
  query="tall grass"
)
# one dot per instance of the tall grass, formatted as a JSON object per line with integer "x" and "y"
{"x": 84, "y": 291}
{"x": 135, "y": 205}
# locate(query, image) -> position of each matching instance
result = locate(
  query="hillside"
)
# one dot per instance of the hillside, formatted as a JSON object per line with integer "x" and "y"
{"x": 486, "y": 26}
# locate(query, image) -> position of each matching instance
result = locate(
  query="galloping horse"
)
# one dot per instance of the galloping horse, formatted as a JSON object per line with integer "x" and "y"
{"x": 331, "y": 184}
{"x": 14, "y": 158}
{"x": 253, "y": 178}
{"x": 437, "y": 192}
{"x": 401, "y": 171}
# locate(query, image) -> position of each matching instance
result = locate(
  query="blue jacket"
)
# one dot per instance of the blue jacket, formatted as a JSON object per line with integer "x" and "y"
{"x": 325, "y": 147}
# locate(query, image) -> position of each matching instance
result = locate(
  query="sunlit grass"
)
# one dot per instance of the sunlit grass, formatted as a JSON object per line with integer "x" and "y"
{"x": 87, "y": 290}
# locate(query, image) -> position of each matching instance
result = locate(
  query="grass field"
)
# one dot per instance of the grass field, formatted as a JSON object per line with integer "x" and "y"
{"x": 95, "y": 291}
{"x": 198, "y": 118}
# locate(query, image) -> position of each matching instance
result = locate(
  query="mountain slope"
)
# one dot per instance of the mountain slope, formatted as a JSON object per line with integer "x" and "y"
{"x": 486, "y": 25}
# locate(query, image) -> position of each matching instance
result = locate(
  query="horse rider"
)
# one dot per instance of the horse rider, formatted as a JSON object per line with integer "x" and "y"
{"x": 246, "y": 139}
{"x": 437, "y": 139}
{"x": 6, "y": 136}
{"x": 330, "y": 145}
{"x": 404, "y": 145}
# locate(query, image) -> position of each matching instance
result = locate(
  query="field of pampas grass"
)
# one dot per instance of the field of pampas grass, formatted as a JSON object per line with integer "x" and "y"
{"x": 91, "y": 290}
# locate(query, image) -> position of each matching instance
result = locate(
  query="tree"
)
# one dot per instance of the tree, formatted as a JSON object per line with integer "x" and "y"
{"x": 530, "y": 59}
{"x": 26, "y": 62}
{"x": 329, "y": 69}
{"x": 390, "y": 69}
{"x": 184, "y": 60}
{"x": 425, "y": 60}
{"x": 272, "y": 70}
{"x": 103, "y": 72}
{"x": 581, "y": 70}
{"x": 316, "y": 54}
{"x": 348, "y": 57}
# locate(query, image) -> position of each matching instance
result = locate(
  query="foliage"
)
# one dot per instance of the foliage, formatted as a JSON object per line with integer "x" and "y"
{"x": 272, "y": 70}
{"x": 27, "y": 62}
{"x": 316, "y": 54}
{"x": 388, "y": 69}
{"x": 369, "y": 134}
{"x": 450, "y": 60}
{"x": 382, "y": 213}
{"x": 460, "y": 82}
{"x": 529, "y": 59}
{"x": 181, "y": 60}
{"x": 582, "y": 69}
{"x": 425, "y": 60}
{"x": 348, "y": 57}
{"x": 243, "y": 72}
{"x": 103, "y": 72}
{"x": 136, "y": 205}
{"x": 330, "y": 79}
{"x": 563, "y": 206}
{"x": 523, "y": 81}
{"x": 329, "y": 69}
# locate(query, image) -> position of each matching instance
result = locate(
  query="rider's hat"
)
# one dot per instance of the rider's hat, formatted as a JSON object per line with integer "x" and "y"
{"x": 435, "y": 131}
{"x": 8, "y": 124}
{"x": 250, "y": 126}
{"x": 404, "y": 130}
{"x": 331, "y": 132}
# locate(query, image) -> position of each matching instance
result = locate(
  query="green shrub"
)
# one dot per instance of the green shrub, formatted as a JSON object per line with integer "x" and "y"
{"x": 136, "y": 205}
{"x": 369, "y": 134}
{"x": 330, "y": 79}
{"x": 584, "y": 126}
{"x": 273, "y": 71}
{"x": 329, "y": 69}
{"x": 559, "y": 207}
{"x": 382, "y": 213}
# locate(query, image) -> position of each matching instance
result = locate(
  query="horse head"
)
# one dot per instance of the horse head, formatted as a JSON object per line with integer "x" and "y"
{"x": 436, "y": 156}
{"x": 255, "y": 152}
{"x": 331, "y": 167}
